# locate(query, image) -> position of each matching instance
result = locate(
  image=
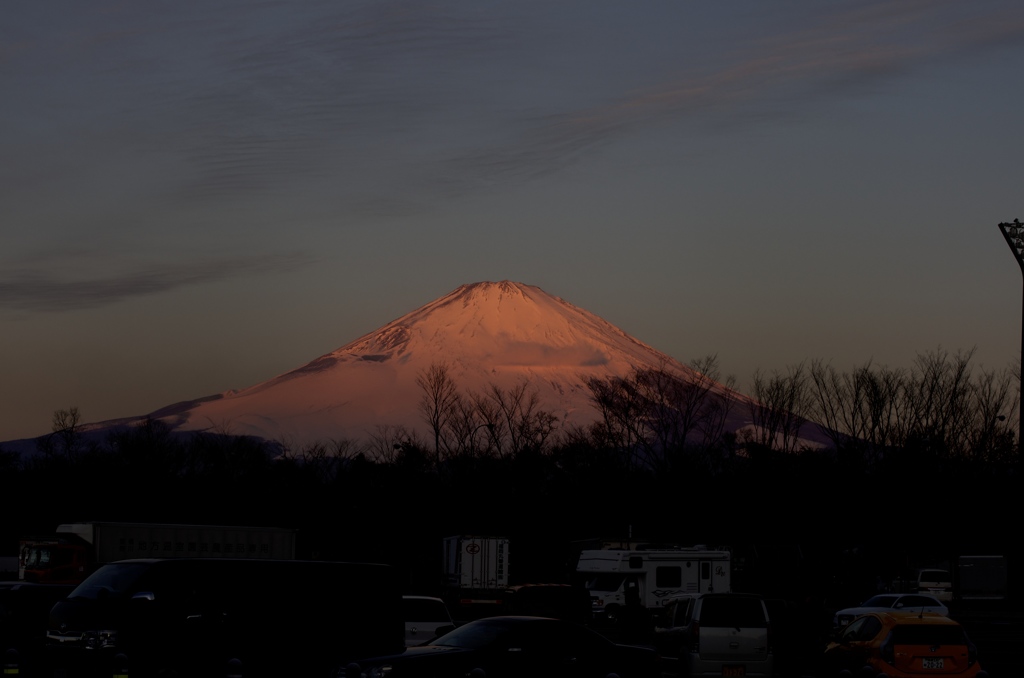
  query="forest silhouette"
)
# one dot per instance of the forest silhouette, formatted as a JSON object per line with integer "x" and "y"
{"x": 908, "y": 452}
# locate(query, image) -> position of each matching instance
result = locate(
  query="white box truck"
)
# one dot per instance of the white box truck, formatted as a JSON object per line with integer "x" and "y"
{"x": 475, "y": 572}
{"x": 618, "y": 577}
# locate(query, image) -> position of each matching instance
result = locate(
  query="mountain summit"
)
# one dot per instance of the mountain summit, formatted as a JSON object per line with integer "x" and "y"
{"x": 486, "y": 334}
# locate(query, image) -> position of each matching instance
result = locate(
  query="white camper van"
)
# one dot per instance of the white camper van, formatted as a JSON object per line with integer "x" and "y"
{"x": 615, "y": 576}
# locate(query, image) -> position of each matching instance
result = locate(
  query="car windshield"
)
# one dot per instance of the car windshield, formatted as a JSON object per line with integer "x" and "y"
{"x": 880, "y": 601}
{"x": 474, "y": 636}
{"x": 113, "y": 579}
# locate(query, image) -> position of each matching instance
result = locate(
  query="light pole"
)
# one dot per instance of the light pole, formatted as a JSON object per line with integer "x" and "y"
{"x": 1014, "y": 234}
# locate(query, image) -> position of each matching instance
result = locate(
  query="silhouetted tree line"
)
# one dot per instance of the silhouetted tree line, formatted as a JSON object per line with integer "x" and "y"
{"x": 934, "y": 442}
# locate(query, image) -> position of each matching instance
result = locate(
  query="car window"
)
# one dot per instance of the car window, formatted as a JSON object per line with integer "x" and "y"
{"x": 548, "y": 637}
{"x": 869, "y": 629}
{"x": 880, "y": 601}
{"x": 475, "y": 636}
{"x": 929, "y": 634}
{"x": 113, "y": 579}
{"x": 728, "y": 611}
{"x": 918, "y": 601}
{"x": 580, "y": 640}
{"x": 852, "y": 632}
{"x": 684, "y": 612}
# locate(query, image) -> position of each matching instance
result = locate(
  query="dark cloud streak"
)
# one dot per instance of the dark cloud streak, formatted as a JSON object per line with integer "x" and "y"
{"x": 42, "y": 290}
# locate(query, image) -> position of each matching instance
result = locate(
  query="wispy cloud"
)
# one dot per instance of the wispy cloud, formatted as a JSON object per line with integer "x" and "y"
{"x": 373, "y": 110}
{"x": 45, "y": 290}
{"x": 842, "y": 49}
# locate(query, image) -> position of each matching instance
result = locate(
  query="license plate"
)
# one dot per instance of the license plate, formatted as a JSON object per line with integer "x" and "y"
{"x": 734, "y": 671}
{"x": 928, "y": 663}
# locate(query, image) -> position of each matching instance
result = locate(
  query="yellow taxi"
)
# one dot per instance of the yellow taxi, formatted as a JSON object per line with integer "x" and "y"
{"x": 903, "y": 645}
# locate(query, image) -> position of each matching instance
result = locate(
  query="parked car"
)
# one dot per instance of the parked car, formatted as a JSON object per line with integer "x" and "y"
{"x": 426, "y": 618}
{"x": 194, "y": 618}
{"x": 561, "y": 601}
{"x": 938, "y": 583}
{"x": 902, "y": 645}
{"x": 885, "y": 602}
{"x": 512, "y": 647}
{"x": 716, "y": 634}
{"x": 929, "y": 581}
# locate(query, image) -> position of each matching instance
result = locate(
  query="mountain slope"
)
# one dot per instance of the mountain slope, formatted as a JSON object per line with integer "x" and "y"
{"x": 487, "y": 333}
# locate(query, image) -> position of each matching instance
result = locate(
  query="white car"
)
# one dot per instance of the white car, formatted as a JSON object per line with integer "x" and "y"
{"x": 935, "y": 582}
{"x": 425, "y": 618}
{"x": 716, "y": 634}
{"x": 887, "y": 602}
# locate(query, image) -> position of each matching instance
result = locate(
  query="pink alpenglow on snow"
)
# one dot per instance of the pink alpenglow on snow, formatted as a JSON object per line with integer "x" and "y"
{"x": 486, "y": 334}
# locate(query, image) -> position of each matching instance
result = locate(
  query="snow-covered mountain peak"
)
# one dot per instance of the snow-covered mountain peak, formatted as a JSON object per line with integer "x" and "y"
{"x": 487, "y": 335}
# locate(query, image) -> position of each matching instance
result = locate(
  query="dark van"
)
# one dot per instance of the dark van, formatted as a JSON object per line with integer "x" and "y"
{"x": 223, "y": 617}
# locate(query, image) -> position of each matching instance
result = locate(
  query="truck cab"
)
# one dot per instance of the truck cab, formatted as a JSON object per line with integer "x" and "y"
{"x": 55, "y": 561}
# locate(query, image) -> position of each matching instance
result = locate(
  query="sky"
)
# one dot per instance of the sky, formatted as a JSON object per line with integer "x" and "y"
{"x": 199, "y": 196}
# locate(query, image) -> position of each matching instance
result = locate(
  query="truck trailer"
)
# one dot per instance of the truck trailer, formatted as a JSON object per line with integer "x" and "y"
{"x": 616, "y": 578}
{"x": 77, "y": 549}
{"x": 475, "y": 574}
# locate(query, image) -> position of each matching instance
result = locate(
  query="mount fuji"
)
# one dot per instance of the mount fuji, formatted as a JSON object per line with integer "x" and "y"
{"x": 486, "y": 334}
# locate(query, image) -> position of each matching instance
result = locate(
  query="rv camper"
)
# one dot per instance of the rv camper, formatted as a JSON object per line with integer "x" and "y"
{"x": 617, "y": 577}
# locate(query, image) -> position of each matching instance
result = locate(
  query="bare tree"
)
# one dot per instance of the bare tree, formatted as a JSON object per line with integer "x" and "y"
{"x": 520, "y": 423}
{"x": 782, "y": 402}
{"x": 439, "y": 404}
{"x": 711, "y": 405}
{"x": 656, "y": 414}
{"x": 473, "y": 427}
{"x": 621, "y": 408}
{"x": 326, "y": 458}
{"x": 389, "y": 444}
{"x": 938, "y": 407}
{"x": 859, "y": 410}
{"x": 991, "y": 436}
{"x": 662, "y": 426}
{"x": 65, "y": 430}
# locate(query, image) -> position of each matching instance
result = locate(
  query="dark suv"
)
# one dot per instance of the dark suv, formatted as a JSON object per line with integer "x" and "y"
{"x": 213, "y": 617}
{"x": 717, "y": 634}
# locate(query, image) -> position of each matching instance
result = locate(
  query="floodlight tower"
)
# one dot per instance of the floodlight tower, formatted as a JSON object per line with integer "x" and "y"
{"x": 1014, "y": 234}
